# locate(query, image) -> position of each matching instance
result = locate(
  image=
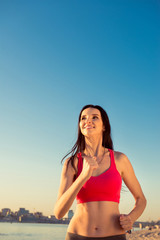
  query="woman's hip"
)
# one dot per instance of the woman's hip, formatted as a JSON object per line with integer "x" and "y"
{"x": 73, "y": 236}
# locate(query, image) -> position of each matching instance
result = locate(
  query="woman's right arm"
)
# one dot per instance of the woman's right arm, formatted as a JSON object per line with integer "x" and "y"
{"x": 69, "y": 188}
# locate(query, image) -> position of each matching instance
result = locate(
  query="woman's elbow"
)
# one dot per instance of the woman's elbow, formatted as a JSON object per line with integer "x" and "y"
{"x": 145, "y": 201}
{"x": 58, "y": 216}
{"x": 57, "y": 213}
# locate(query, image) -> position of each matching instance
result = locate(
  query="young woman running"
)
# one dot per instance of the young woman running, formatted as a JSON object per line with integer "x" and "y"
{"x": 93, "y": 175}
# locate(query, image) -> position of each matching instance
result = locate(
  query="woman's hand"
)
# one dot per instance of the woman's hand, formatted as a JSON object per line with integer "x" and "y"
{"x": 89, "y": 165}
{"x": 126, "y": 222}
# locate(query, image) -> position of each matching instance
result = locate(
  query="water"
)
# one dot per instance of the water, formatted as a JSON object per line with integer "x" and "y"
{"x": 32, "y": 231}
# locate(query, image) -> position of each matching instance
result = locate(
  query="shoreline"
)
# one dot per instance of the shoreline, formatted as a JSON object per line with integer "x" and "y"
{"x": 144, "y": 234}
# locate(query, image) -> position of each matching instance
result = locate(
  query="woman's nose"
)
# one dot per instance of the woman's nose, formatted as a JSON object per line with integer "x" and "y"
{"x": 88, "y": 120}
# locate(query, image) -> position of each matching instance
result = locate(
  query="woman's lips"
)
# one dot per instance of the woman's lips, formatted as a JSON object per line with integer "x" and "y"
{"x": 88, "y": 127}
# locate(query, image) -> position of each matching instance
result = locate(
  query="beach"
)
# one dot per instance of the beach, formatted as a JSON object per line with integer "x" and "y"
{"x": 144, "y": 234}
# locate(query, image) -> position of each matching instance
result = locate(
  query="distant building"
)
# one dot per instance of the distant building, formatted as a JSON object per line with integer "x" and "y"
{"x": 6, "y": 212}
{"x": 70, "y": 214}
{"x": 52, "y": 217}
{"x": 28, "y": 218}
{"x": 22, "y": 212}
{"x": 38, "y": 214}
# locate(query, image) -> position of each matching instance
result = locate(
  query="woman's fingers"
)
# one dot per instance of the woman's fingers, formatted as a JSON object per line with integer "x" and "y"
{"x": 89, "y": 164}
{"x": 90, "y": 160}
{"x": 126, "y": 222}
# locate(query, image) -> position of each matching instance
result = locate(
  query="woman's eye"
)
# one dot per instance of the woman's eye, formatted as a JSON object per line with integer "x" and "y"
{"x": 94, "y": 117}
{"x": 83, "y": 118}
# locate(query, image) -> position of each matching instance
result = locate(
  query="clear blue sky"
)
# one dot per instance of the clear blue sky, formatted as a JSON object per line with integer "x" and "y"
{"x": 56, "y": 57}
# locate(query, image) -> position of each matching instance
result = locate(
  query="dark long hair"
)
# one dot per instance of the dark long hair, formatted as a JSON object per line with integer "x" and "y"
{"x": 79, "y": 146}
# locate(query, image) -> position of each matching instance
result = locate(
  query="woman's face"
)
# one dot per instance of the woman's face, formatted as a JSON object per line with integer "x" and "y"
{"x": 91, "y": 122}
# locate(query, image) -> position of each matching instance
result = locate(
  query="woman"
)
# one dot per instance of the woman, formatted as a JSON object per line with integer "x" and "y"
{"x": 93, "y": 175}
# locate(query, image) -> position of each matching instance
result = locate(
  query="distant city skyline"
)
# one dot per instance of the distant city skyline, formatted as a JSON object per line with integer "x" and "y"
{"x": 58, "y": 56}
{"x": 24, "y": 216}
{"x": 23, "y": 210}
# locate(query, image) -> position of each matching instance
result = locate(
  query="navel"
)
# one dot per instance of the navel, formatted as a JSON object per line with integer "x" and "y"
{"x": 96, "y": 229}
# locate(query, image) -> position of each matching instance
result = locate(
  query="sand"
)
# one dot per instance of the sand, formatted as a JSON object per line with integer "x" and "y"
{"x": 144, "y": 234}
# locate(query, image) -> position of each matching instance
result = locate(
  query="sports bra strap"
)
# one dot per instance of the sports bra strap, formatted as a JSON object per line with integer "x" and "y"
{"x": 112, "y": 158}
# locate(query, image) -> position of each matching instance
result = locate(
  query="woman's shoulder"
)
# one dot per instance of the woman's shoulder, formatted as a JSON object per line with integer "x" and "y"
{"x": 122, "y": 162}
{"x": 118, "y": 154}
{"x": 71, "y": 166}
{"x": 120, "y": 157}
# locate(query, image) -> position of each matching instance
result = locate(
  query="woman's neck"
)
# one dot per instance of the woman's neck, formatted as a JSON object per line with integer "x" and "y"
{"x": 93, "y": 146}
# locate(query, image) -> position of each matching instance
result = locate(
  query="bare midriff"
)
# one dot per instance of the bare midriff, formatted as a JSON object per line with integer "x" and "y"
{"x": 96, "y": 219}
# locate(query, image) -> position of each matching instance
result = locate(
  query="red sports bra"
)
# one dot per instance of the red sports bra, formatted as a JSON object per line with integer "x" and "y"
{"x": 104, "y": 187}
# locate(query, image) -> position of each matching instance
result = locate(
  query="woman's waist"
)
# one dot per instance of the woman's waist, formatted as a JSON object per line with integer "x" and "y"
{"x": 97, "y": 208}
{"x": 96, "y": 219}
{"x": 98, "y": 227}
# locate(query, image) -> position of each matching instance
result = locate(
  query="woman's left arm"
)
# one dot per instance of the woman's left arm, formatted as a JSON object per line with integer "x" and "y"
{"x": 133, "y": 185}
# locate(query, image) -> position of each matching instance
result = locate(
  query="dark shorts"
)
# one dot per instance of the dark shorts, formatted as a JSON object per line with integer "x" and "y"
{"x": 73, "y": 236}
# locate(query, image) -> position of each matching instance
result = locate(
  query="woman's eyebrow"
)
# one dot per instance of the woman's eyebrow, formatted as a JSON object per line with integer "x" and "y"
{"x": 94, "y": 114}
